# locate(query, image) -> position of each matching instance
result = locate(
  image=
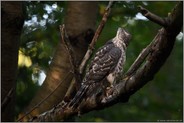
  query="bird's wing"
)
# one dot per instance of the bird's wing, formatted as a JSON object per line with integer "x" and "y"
{"x": 103, "y": 63}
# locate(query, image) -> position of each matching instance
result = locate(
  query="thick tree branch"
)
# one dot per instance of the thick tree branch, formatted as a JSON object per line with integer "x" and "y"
{"x": 140, "y": 59}
{"x": 156, "y": 54}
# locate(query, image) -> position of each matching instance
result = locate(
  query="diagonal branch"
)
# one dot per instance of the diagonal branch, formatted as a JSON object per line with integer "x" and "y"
{"x": 153, "y": 17}
{"x": 142, "y": 56}
{"x": 69, "y": 49}
{"x": 95, "y": 38}
{"x": 7, "y": 99}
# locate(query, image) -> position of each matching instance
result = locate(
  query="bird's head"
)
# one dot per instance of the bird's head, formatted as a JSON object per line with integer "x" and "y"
{"x": 123, "y": 35}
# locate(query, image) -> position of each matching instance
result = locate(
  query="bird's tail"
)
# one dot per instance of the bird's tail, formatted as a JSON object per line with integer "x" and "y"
{"x": 78, "y": 96}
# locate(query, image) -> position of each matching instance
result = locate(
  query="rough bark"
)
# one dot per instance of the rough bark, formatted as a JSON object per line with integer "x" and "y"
{"x": 80, "y": 28}
{"x": 159, "y": 50}
{"x": 11, "y": 26}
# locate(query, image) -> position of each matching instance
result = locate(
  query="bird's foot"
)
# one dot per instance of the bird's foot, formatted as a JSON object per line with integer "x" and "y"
{"x": 109, "y": 91}
{"x": 110, "y": 94}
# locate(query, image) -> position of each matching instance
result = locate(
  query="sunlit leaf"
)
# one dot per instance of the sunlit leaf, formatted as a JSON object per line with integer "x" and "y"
{"x": 24, "y": 60}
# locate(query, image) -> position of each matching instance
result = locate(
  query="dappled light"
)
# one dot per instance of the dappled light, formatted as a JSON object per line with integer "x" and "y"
{"x": 24, "y": 60}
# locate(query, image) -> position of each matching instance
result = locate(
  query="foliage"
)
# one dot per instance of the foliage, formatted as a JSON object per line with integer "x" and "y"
{"x": 38, "y": 40}
{"x": 160, "y": 99}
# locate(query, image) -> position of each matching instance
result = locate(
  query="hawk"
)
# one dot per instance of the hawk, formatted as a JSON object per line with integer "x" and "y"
{"x": 107, "y": 64}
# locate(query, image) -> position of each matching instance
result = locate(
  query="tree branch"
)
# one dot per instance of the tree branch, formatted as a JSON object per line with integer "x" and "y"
{"x": 7, "y": 99}
{"x": 140, "y": 59}
{"x": 95, "y": 38}
{"x": 153, "y": 17}
{"x": 68, "y": 47}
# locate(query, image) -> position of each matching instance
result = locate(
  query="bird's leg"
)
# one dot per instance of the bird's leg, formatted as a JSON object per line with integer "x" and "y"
{"x": 109, "y": 87}
{"x": 110, "y": 79}
{"x": 108, "y": 90}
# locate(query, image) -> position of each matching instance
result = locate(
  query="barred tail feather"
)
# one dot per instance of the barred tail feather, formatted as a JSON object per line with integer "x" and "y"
{"x": 78, "y": 96}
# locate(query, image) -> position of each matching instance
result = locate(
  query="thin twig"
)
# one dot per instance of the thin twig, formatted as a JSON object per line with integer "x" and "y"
{"x": 96, "y": 36}
{"x": 36, "y": 106}
{"x": 69, "y": 49}
{"x": 75, "y": 72}
{"x": 7, "y": 99}
{"x": 153, "y": 17}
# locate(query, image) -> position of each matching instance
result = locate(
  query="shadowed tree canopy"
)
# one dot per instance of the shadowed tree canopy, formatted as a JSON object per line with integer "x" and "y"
{"x": 45, "y": 72}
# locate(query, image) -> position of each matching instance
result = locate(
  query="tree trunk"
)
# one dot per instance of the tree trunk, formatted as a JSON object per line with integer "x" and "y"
{"x": 12, "y": 22}
{"x": 80, "y": 24}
